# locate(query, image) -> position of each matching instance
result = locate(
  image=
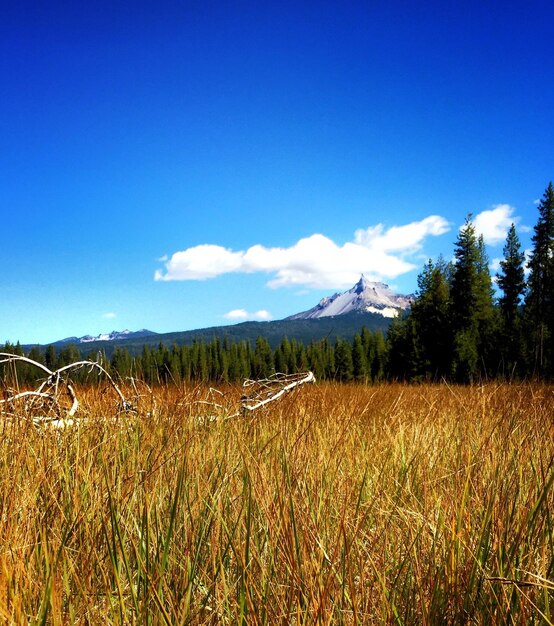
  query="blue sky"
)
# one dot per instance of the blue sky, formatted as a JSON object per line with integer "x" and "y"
{"x": 165, "y": 164}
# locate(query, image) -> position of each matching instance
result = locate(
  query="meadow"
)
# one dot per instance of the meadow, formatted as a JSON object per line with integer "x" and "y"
{"x": 337, "y": 504}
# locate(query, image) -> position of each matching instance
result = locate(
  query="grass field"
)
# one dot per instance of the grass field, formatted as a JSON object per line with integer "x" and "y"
{"x": 339, "y": 504}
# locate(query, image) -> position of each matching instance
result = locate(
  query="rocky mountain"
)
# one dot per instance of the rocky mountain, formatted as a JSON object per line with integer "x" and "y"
{"x": 115, "y": 335}
{"x": 364, "y": 297}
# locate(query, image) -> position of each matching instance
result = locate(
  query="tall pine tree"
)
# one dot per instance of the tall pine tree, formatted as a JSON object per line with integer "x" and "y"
{"x": 472, "y": 306}
{"x": 486, "y": 314}
{"x": 431, "y": 313}
{"x": 539, "y": 301}
{"x": 511, "y": 281}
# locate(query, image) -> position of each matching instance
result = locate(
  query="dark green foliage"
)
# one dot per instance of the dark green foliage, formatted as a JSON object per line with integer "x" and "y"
{"x": 262, "y": 365}
{"x": 50, "y": 357}
{"x": 539, "y": 302}
{"x": 511, "y": 280}
{"x": 359, "y": 361}
{"x": 454, "y": 329}
{"x": 431, "y": 314}
{"x": 344, "y": 366}
{"x": 404, "y": 354}
{"x": 225, "y": 361}
{"x": 486, "y": 315}
{"x": 473, "y": 316}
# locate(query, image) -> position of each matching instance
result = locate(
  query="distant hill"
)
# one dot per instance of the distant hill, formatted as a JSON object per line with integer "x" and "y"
{"x": 344, "y": 326}
{"x": 367, "y": 303}
{"x": 115, "y": 335}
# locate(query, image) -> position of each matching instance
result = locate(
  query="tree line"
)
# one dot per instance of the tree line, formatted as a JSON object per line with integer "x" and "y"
{"x": 457, "y": 329}
{"x": 219, "y": 360}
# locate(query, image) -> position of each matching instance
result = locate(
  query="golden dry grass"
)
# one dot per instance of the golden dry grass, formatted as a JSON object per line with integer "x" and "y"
{"x": 338, "y": 505}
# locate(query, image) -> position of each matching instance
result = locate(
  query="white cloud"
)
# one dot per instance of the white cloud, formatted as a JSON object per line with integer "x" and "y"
{"x": 494, "y": 223}
{"x": 404, "y": 239}
{"x": 237, "y": 314}
{"x": 109, "y": 316}
{"x": 314, "y": 261}
{"x": 243, "y": 314}
{"x": 262, "y": 314}
{"x": 200, "y": 262}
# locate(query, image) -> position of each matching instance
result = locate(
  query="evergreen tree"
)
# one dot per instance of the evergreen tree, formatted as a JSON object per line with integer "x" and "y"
{"x": 359, "y": 363}
{"x": 485, "y": 313}
{"x": 431, "y": 314}
{"x": 35, "y": 354}
{"x": 403, "y": 353}
{"x": 214, "y": 359}
{"x": 245, "y": 358}
{"x": 379, "y": 363}
{"x": 69, "y": 354}
{"x": 472, "y": 305}
{"x": 50, "y": 357}
{"x": 121, "y": 362}
{"x": 344, "y": 367}
{"x": 511, "y": 281}
{"x": 328, "y": 357}
{"x": 539, "y": 301}
{"x": 293, "y": 357}
{"x": 263, "y": 359}
{"x": 147, "y": 364}
{"x": 280, "y": 360}
{"x": 301, "y": 358}
{"x": 174, "y": 364}
{"x": 316, "y": 359}
{"x": 234, "y": 363}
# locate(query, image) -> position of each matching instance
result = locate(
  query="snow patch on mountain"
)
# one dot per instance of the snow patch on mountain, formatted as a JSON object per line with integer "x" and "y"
{"x": 364, "y": 297}
{"x": 113, "y": 336}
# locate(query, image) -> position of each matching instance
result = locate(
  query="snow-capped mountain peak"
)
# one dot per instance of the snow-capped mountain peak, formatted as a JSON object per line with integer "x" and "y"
{"x": 112, "y": 336}
{"x": 364, "y": 297}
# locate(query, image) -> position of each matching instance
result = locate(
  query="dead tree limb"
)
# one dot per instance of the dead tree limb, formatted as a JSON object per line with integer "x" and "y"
{"x": 270, "y": 389}
{"x": 54, "y": 380}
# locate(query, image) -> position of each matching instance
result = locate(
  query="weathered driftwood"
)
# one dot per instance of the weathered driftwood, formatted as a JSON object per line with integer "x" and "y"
{"x": 270, "y": 389}
{"x": 262, "y": 392}
{"x": 53, "y": 385}
{"x": 123, "y": 403}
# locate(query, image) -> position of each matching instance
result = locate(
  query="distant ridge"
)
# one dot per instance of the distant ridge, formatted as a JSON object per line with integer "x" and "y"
{"x": 305, "y": 330}
{"x": 367, "y": 303}
{"x": 115, "y": 335}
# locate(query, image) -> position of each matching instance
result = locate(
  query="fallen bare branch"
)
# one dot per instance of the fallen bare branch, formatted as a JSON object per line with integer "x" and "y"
{"x": 50, "y": 388}
{"x": 270, "y": 389}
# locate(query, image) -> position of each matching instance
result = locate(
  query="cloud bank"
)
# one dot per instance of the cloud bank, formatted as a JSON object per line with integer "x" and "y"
{"x": 315, "y": 261}
{"x": 242, "y": 314}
